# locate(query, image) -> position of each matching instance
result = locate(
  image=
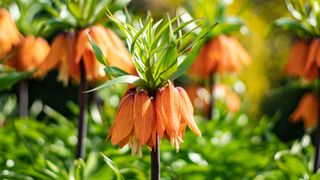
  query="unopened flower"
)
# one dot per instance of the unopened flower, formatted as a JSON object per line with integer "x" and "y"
{"x": 297, "y": 59}
{"x": 29, "y": 54}
{"x": 307, "y": 110}
{"x": 9, "y": 34}
{"x": 221, "y": 54}
{"x": 68, "y": 49}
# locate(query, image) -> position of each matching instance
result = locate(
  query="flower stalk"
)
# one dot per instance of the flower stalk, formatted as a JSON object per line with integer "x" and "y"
{"x": 82, "y": 121}
{"x": 155, "y": 160}
{"x": 317, "y": 144}
{"x": 211, "y": 90}
{"x": 23, "y": 98}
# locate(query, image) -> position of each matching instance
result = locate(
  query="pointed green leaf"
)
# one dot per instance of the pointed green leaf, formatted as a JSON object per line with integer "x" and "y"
{"x": 97, "y": 51}
{"x": 129, "y": 79}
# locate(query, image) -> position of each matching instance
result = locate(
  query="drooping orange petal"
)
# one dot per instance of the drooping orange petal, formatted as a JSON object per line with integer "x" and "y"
{"x": 82, "y": 45}
{"x": 143, "y": 115}
{"x": 32, "y": 52}
{"x": 159, "y": 114}
{"x": 297, "y": 59}
{"x": 9, "y": 34}
{"x": 205, "y": 64}
{"x": 67, "y": 59}
{"x": 123, "y": 123}
{"x": 89, "y": 60}
{"x": 125, "y": 141}
{"x": 170, "y": 103}
{"x": 187, "y": 111}
{"x": 307, "y": 110}
{"x": 119, "y": 56}
{"x": 310, "y": 69}
{"x": 318, "y": 56}
{"x": 56, "y": 53}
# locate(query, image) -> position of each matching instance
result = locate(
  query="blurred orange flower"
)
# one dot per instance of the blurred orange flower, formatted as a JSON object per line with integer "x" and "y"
{"x": 9, "y": 34}
{"x": 220, "y": 54}
{"x": 233, "y": 102}
{"x": 200, "y": 98}
{"x": 29, "y": 54}
{"x": 313, "y": 60}
{"x": 297, "y": 59}
{"x": 140, "y": 117}
{"x": 68, "y": 49}
{"x": 307, "y": 110}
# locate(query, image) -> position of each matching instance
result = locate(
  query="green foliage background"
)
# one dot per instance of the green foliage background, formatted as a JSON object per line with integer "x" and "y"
{"x": 233, "y": 146}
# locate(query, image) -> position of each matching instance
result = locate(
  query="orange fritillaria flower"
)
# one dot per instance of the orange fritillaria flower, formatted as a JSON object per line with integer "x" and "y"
{"x": 140, "y": 117}
{"x": 220, "y": 54}
{"x": 9, "y": 34}
{"x": 134, "y": 122}
{"x": 174, "y": 109}
{"x": 307, "y": 110}
{"x": 313, "y": 60}
{"x": 29, "y": 54}
{"x": 297, "y": 59}
{"x": 68, "y": 49}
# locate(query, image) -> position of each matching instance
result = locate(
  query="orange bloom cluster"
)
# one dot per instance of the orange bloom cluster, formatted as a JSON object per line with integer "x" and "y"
{"x": 68, "y": 49}
{"x": 9, "y": 34}
{"x": 220, "y": 54}
{"x": 29, "y": 54}
{"x": 307, "y": 110}
{"x": 304, "y": 59}
{"x": 141, "y": 117}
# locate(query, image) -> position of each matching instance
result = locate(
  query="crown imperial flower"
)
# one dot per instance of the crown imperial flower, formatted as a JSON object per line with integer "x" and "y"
{"x": 9, "y": 34}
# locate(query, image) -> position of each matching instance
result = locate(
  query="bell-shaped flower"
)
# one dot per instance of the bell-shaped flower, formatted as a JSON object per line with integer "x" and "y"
{"x": 9, "y": 34}
{"x": 134, "y": 122}
{"x": 297, "y": 59}
{"x": 68, "y": 49}
{"x": 174, "y": 110}
{"x": 29, "y": 54}
{"x": 313, "y": 60}
{"x": 307, "y": 110}
{"x": 221, "y": 54}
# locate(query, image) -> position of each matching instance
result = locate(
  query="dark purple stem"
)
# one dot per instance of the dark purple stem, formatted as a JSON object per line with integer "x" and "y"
{"x": 155, "y": 161}
{"x": 317, "y": 143}
{"x": 23, "y": 98}
{"x": 211, "y": 91}
{"x": 82, "y": 123}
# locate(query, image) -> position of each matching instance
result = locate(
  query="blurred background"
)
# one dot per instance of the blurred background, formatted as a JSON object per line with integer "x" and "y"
{"x": 253, "y": 140}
